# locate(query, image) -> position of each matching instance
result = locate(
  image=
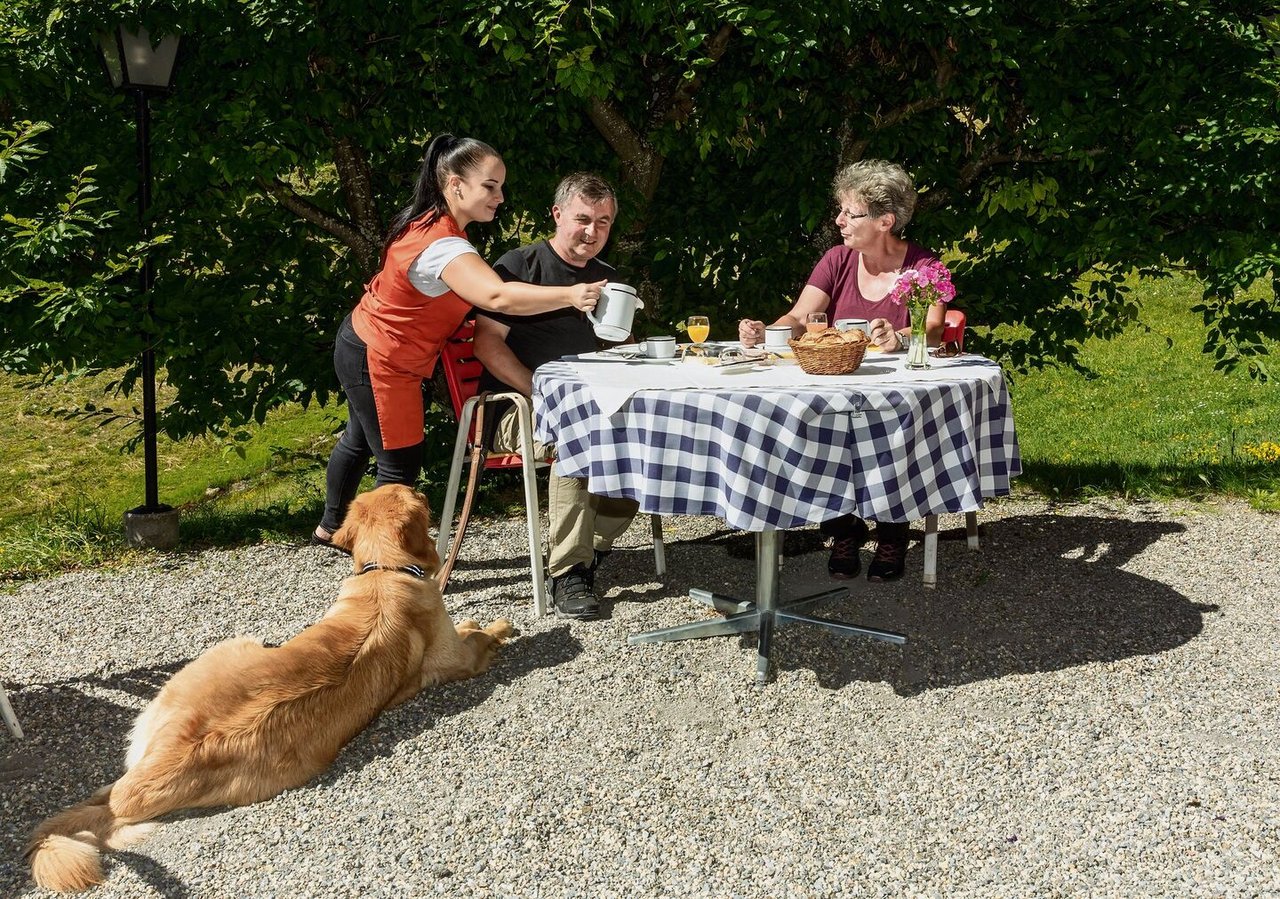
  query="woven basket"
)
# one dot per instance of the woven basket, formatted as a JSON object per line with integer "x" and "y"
{"x": 831, "y": 359}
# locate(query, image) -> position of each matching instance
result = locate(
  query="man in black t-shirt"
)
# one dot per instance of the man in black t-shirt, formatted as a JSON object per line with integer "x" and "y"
{"x": 583, "y": 525}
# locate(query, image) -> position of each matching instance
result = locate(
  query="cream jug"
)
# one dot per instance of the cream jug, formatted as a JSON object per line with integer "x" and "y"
{"x": 615, "y": 312}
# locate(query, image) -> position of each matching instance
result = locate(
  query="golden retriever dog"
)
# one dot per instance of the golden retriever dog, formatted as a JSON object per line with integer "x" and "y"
{"x": 243, "y": 721}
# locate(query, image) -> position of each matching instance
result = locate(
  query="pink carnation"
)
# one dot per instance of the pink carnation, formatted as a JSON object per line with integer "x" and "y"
{"x": 930, "y": 283}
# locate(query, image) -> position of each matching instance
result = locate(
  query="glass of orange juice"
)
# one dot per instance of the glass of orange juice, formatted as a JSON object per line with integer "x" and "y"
{"x": 698, "y": 327}
{"x": 817, "y": 321}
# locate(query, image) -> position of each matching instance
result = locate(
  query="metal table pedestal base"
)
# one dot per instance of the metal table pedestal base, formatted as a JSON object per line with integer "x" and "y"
{"x": 764, "y": 614}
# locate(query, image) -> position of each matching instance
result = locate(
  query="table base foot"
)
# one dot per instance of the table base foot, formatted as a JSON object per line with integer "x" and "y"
{"x": 764, "y": 613}
{"x": 845, "y": 629}
{"x": 744, "y": 617}
{"x": 741, "y": 623}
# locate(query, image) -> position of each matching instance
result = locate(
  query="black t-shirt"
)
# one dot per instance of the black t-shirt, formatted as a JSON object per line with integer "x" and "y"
{"x": 537, "y": 339}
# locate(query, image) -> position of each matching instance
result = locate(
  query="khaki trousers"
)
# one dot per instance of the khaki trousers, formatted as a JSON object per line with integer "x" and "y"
{"x": 581, "y": 522}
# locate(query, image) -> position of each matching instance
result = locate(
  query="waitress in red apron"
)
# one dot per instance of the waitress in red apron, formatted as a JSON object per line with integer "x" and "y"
{"x": 431, "y": 276}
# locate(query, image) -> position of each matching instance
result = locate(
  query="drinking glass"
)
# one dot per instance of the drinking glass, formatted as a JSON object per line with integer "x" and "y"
{"x": 817, "y": 321}
{"x": 698, "y": 327}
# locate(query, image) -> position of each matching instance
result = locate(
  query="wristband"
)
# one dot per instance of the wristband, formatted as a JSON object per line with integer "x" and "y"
{"x": 904, "y": 339}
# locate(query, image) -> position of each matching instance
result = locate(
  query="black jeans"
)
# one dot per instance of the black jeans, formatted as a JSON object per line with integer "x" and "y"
{"x": 362, "y": 438}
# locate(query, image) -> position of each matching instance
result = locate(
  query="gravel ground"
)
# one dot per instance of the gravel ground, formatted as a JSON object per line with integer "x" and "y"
{"x": 1086, "y": 707}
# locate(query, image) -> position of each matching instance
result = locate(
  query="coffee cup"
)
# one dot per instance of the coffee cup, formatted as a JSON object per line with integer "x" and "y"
{"x": 849, "y": 324}
{"x": 659, "y": 347}
{"x": 776, "y": 337}
{"x": 615, "y": 312}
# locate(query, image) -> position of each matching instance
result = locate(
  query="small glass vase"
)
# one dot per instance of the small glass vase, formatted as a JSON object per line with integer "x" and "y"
{"x": 918, "y": 352}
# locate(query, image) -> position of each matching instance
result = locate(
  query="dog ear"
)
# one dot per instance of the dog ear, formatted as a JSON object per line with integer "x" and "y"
{"x": 345, "y": 536}
{"x": 417, "y": 534}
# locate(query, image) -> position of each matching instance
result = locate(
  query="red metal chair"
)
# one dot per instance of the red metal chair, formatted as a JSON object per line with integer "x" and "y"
{"x": 953, "y": 328}
{"x": 952, "y": 332}
{"x": 462, "y": 375}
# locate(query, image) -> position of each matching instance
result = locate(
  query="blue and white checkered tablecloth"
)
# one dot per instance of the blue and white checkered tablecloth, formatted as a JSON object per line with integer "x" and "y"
{"x": 775, "y": 458}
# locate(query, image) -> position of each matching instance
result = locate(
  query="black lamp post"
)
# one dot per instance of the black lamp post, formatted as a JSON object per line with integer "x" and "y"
{"x": 145, "y": 69}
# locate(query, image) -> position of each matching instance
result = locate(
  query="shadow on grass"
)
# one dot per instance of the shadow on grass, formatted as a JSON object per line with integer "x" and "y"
{"x": 1072, "y": 481}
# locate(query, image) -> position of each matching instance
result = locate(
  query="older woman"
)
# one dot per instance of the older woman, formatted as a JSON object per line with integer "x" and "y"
{"x": 853, "y": 280}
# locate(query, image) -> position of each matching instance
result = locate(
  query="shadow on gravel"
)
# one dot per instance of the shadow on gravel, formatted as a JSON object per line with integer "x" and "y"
{"x": 1045, "y": 593}
{"x": 157, "y": 876}
{"x": 75, "y": 743}
{"x": 484, "y": 574}
{"x": 520, "y": 657}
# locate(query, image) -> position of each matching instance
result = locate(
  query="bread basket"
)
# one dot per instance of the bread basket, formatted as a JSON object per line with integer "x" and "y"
{"x": 836, "y": 358}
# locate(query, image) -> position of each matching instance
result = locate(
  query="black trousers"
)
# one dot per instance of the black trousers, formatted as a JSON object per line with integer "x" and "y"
{"x": 362, "y": 439}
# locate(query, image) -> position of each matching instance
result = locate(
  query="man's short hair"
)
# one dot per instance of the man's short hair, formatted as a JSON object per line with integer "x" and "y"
{"x": 590, "y": 187}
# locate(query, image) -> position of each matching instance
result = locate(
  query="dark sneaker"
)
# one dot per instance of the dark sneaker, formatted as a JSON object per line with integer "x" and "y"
{"x": 890, "y": 560}
{"x": 573, "y": 595}
{"x": 844, "y": 563}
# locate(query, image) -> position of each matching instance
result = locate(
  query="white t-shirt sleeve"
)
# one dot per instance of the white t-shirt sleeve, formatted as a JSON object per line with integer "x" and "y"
{"x": 424, "y": 273}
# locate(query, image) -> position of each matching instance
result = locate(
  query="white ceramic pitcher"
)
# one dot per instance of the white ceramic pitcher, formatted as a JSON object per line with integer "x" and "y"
{"x": 615, "y": 312}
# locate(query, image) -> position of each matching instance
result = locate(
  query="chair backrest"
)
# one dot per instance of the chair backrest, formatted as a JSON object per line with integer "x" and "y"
{"x": 953, "y": 327}
{"x": 462, "y": 372}
{"x": 461, "y": 368}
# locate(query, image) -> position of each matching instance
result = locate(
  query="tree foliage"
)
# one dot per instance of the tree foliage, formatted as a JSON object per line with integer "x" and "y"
{"x": 1060, "y": 147}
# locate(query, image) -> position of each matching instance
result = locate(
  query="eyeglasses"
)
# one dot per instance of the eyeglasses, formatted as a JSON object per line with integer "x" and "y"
{"x": 850, "y": 216}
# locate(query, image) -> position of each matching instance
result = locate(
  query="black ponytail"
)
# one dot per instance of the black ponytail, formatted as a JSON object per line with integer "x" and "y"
{"x": 446, "y": 155}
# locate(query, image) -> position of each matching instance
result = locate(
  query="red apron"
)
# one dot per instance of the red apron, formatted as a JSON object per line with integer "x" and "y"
{"x": 404, "y": 330}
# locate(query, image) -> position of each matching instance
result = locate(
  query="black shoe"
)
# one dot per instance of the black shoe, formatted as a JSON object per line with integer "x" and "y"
{"x": 573, "y": 595}
{"x": 844, "y": 563}
{"x": 890, "y": 560}
{"x": 317, "y": 540}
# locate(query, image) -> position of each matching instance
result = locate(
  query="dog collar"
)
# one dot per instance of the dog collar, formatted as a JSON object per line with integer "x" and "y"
{"x": 407, "y": 569}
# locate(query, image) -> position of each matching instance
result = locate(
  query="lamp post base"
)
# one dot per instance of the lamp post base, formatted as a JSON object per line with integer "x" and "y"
{"x": 151, "y": 527}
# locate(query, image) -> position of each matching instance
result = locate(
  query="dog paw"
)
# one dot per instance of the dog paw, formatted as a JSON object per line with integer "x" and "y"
{"x": 467, "y": 624}
{"x": 500, "y": 629}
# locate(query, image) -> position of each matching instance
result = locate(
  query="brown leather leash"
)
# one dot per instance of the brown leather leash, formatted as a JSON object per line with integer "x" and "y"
{"x": 478, "y": 454}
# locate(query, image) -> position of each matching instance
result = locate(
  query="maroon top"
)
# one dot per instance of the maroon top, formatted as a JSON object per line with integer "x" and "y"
{"x": 836, "y": 275}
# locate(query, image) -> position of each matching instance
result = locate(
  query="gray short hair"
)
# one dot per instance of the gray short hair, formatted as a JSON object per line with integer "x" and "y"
{"x": 883, "y": 186}
{"x": 589, "y": 186}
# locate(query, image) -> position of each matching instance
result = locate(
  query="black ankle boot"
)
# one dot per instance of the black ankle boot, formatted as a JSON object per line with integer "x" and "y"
{"x": 890, "y": 560}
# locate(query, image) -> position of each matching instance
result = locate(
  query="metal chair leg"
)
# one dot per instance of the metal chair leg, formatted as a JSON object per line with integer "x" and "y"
{"x": 445, "y": 522}
{"x": 536, "y": 569}
{"x": 10, "y": 719}
{"x": 468, "y": 501}
{"x": 931, "y": 551}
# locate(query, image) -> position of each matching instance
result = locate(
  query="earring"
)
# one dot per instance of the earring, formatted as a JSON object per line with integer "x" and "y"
{"x": 457, "y": 192}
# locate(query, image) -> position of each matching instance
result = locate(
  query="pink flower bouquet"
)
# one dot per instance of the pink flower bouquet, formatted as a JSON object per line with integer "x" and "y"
{"x": 921, "y": 288}
{"x": 930, "y": 283}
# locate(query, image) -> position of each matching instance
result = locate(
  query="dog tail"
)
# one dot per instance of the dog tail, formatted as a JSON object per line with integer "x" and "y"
{"x": 65, "y": 851}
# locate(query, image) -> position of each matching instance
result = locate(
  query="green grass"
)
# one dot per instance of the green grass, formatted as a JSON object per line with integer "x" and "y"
{"x": 1151, "y": 420}
{"x": 52, "y": 461}
{"x": 67, "y": 481}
